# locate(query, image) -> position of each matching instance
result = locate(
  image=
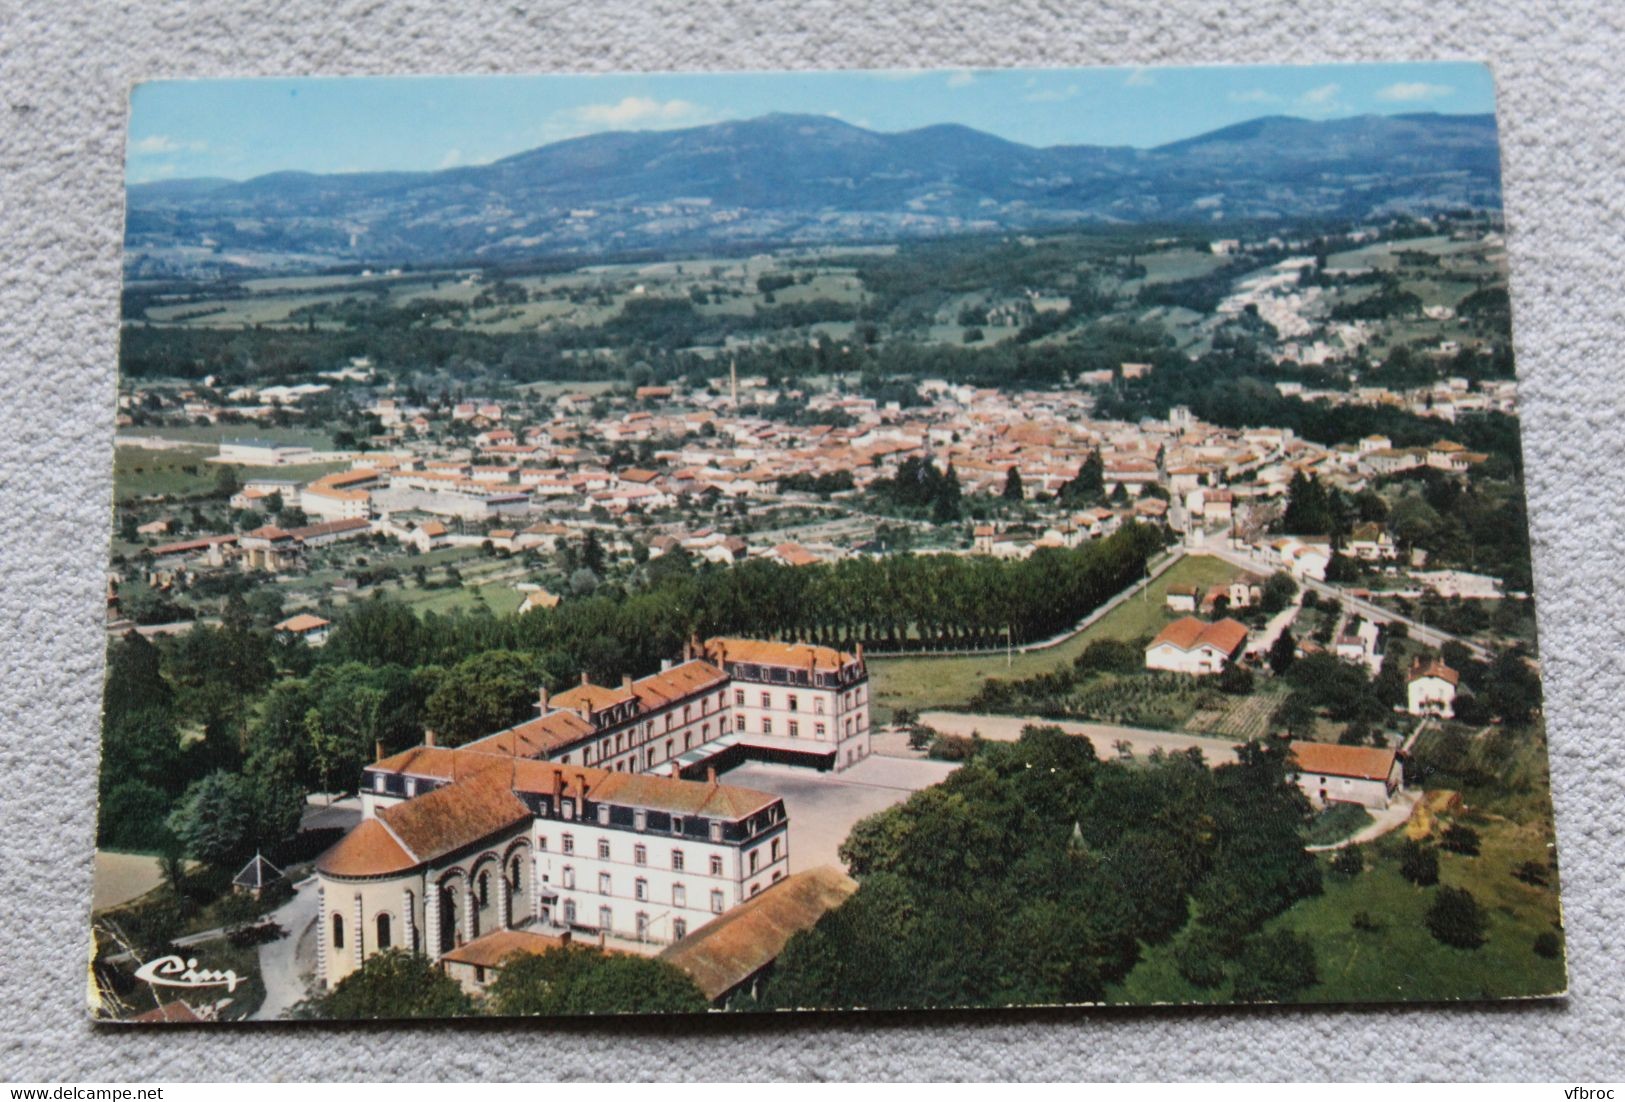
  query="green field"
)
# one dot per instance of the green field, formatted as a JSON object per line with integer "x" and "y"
{"x": 950, "y": 682}
{"x": 1401, "y": 960}
{"x": 181, "y": 472}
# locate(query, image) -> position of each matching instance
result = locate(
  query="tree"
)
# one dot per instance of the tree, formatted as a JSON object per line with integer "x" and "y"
{"x": 577, "y": 980}
{"x": 393, "y": 984}
{"x": 1012, "y": 484}
{"x": 1296, "y": 713}
{"x": 1457, "y": 919}
{"x": 1283, "y": 652}
{"x": 216, "y": 820}
{"x": 1274, "y": 967}
{"x": 1419, "y": 864}
{"x": 1348, "y": 862}
{"x": 1279, "y": 589}
{"x": 1236, "y": 679}
{"x": 1089, "y": 484}
{"x": 225, "y": 480}
{"x": 482, "y": 694}
{"x": 1460, "y": 839}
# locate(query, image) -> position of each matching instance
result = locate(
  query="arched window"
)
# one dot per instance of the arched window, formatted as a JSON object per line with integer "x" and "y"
{"x": 485, "y": 889}
{"x": 448, "y": 920}
{"x": 514, "y": 869}
{"x": 338, "y": 931}
{"x": 383, "y": 930}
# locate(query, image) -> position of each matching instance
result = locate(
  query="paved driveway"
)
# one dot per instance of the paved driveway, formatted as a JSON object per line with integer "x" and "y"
{"x": 823, "y": 807}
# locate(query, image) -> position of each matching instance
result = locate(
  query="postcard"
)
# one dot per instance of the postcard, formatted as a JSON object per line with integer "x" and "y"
{"x": 683, "y": 543}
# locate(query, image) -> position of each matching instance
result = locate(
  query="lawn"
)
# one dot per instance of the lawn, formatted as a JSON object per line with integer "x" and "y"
{"x": 1336, "y": 823}
{"x": 1400, "y": 960}
{"x": 950, "y": 682}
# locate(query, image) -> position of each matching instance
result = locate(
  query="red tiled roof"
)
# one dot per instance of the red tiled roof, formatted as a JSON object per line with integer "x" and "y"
{"x": 457, "y": 815}
{"x": 1333, "y": 759}
{"x": 1434, "y": 668}
{"x": 727, "y": 951}
{"x": 770, "y": 653}
{"x": 367, "y": 850}
{"x": 1188, "y": 633}
{"x": 171, "y": 1012}
{"x": 304, "y": 621}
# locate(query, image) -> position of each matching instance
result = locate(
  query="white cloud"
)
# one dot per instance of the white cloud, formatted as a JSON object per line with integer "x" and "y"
{"x": 1140, "y": 78}
{"x": 1052, "y": 95}
{"x": 162, "y": 143}
{"x": 638, "y": 110}
{"x": 961, "y": 80}
{"x": 1324, "y": 94}
{"x": 1405, "y": 92}
{"x": 1254, "y": 95}
{"x": 452, "y": 159}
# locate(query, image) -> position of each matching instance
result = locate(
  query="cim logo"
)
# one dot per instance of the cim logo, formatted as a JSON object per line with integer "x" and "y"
{"x": 172, "y": 971}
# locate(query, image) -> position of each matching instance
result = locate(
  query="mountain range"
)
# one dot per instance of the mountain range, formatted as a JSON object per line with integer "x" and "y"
{"x": 784, "y": 179}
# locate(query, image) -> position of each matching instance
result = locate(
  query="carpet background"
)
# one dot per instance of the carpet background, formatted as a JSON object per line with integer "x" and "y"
{"x": 66, "y": 68}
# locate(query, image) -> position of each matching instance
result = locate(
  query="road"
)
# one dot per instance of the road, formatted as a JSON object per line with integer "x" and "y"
{"x": 1422, "y": 633}
{"x": 1394, "y": 816}
{"x": 1105, "y": 736}
{"x": 288, "y": 963}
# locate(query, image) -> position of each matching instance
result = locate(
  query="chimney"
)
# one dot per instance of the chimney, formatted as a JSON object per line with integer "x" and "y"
{"x": 558, "y": 782}
{"x": 626, "y": 682}
{"x": 584, "y": 677}
{"x": 377, "y": 749}
{"x": 428, "y": 736}
{"x": 581, "y": 802}
{"x": 541, "y": 701}
{"x": 665, "y": 664}
{"x": 711, "y": 776}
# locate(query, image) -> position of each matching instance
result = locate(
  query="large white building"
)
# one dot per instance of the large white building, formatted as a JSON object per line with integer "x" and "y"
{"x": 1193, "y": 646}
{"x": 1431, "y": 689}
{"x": 1330, "y": 773}
{"x": 581, "y": 820}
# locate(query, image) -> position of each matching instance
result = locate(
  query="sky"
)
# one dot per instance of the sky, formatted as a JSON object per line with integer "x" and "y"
{"x": 245, "y": 128}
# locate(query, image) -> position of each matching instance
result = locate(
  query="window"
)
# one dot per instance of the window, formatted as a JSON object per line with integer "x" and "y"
{"x": 668, "y": 748}
{"x": 541, "y": 842}
{"x": 643, "y": 926}
{"x": 483, "y": 886}
{"x": 603, "y": 848}
{"x": 383, "y": 931}
{"x": 755, "y": 856}
{"x": 606, "y": 918}
{"x": 679, "y": 929}
{"x": 603, "y": 814}
{"x": 668, "y": 721}
{"x": 795, "y": 729}
{"x": 716, "y": 903}
{"x": 640, "y": 888}
{"x": 794, "y": 706}
{"x": 514, "y": 868}
{"x": 640, "y": 855}
{"x": 818, "y": 705}
{"x": 604, "y": 885}
{"x": 739, "y": 697}
{"x": 377, "y": 782}
{"x": 767, "y": 726}
{"x": 778, "y": 848}
{"x": 767, "y": 700}
{"x": 818, "y": 729}
{"x": 716, "y": 832}
{"x": 569, "y": 843}
{"x": 716, "y": 866}
{"x": 640, "y": 819}
{"x": 569, "y": 912}
{"x": 679, "y": 895}
{"x": 338, "y": 931}
{"x": 677, "y": 860}
{"x": 686, "y": 710}
{"x": 677, "y": 824}
{"x": 568, "y": 876}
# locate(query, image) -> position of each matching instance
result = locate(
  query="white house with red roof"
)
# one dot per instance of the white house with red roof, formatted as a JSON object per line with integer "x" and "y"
{"x": 1193, "y": 646}
{"x": 1430, "y": 689}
